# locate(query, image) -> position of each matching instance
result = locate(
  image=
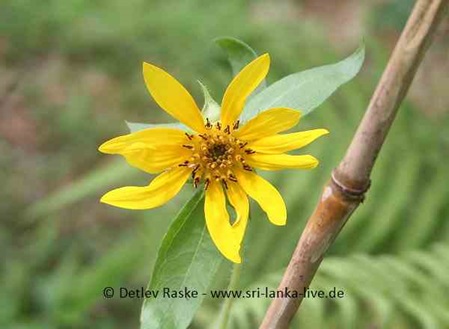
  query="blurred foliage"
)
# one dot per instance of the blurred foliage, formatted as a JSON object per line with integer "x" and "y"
{"x": 391, "y": 15}
{"x": 74, "y": 71}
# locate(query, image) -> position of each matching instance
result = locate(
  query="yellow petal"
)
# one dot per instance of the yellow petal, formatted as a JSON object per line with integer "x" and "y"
{"x": 152, "y": 136}
{"x": 287, "y": 142}
{"x": 281, "y": 161}
{"x": 156, "y": 159}
{"x": 239, "y": 201}
{"x": 162, "y": 189}
{"x": 268, "y": 123}
{"x": 241, "y": 87}
{"x": 172, "y": 97}
{"x": 265, "y": 195}
{"x": 151, "y": 150}
{"x": 225, "y": 237}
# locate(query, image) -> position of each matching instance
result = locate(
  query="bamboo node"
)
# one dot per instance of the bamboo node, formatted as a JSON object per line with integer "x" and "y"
{"x": 350, "y": 192}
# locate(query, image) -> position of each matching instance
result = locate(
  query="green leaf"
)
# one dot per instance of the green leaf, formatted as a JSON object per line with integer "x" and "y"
{"x": 137, "y": 126}
{"x": 239, "y": 53}
{"x": 188, "y": 259}
{"x": 306, "y": 90}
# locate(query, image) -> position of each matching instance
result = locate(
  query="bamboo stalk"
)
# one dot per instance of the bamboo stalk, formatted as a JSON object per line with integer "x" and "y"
{"x": 351, "y": 179}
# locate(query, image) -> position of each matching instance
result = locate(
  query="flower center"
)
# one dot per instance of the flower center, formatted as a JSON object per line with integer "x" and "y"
{"x": 216, "y": 154}
{"x": 218, "y": 151}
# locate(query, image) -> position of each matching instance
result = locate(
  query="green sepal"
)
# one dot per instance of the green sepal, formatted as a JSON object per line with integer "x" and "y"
{"x": 211, "y": 109}
{"x": 137, "y": 126}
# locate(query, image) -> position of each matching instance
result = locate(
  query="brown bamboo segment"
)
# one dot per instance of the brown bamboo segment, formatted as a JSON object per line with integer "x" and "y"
{"x": 350, "y": 180}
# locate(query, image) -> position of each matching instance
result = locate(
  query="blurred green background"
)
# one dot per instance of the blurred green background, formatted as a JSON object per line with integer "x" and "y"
{"x": 70, "y": 74}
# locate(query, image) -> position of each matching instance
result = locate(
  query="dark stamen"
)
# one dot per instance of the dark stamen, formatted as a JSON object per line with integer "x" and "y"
{"x": 203, "y": 136}
{"x": 246, "y": 167}
{"x": 187, "y": 146}
{"x": 195, "y": 169}
{"x": 206, "y": 184}
{"x": 232, "y": 178}
{"x": 196, "y": 181}
{"x": 227, "y": 129}
{"x": 189, "y": 136}
{"x": 218, "y": 124}
{"x": 236, "y": 125}
{"x": 208, "y": 124}
{"x": 249, "y": 151}
{"x": 224, "y": 183}
{"x": 242, "y": 145}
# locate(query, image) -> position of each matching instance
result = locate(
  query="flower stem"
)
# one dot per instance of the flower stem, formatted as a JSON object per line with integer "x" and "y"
{"x": 227, "y": 304}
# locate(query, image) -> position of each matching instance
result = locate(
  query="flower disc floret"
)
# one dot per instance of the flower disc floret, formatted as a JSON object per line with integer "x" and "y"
{"x": 216, "y": 154}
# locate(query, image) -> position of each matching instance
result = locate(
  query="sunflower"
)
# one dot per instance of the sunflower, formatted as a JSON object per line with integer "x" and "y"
{"x": 221, "y": 156}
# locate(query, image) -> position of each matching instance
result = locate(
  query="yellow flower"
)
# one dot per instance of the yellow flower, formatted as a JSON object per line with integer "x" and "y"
{"x": 221, "y": 154}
